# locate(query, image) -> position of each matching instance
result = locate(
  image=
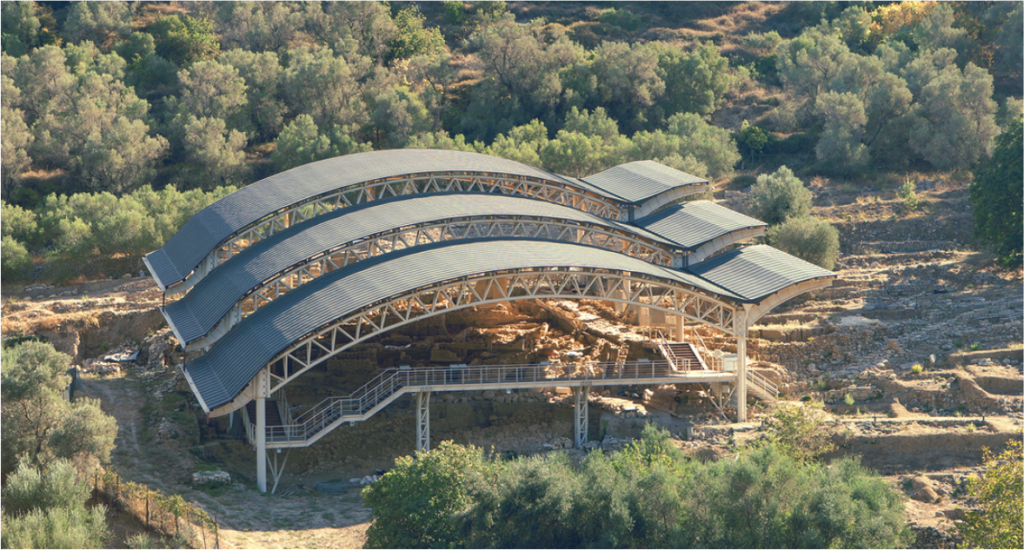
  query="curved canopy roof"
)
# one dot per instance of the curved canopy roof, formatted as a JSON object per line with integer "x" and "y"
{"x": 635, "y": 182}
{"x": 692, "y": 224}
{"x": 220, "y": 221}
{"x": 219, "y": 375}
{"x": 755, "y": 272}
{"x": 201, "y": 309}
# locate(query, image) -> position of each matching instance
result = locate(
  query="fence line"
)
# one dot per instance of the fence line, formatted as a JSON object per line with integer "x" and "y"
{"x": 172, "y": 515}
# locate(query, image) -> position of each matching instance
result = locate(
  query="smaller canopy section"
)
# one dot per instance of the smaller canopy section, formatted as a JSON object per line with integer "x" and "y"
{"x": 755, "y": 273}
{"x": 641, "y": 183}
{"x": 702, "y": 227}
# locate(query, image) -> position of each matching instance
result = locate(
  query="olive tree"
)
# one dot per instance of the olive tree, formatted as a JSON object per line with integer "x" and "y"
{"x": 808, "y": 238}
{"x": 19, "y": 27}
{"x": 39, "y": 426}
{"x": 779, "y": 196}
{"x": 840, "y": 145}
{"x": 996, "y": 196}
{"x": 214, "y": 156}
{"x": 101, "y": 22}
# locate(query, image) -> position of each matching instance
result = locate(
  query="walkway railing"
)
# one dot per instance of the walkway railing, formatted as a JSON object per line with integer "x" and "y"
{"x": 390, "y": 384}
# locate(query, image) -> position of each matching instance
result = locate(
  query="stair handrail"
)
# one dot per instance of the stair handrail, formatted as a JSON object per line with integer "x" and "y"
{"x": 713, "y": 362}
{"x": 766, "y": 385}
{"x": 663, "y": 344}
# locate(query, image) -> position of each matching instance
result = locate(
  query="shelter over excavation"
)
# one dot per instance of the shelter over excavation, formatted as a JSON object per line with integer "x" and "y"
{"x": 288, "y": 272}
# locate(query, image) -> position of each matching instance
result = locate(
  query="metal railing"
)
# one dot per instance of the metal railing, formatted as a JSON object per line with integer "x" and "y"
{"x": 680, "y": 364}
{"x": 712, "y": 361}
{"x": 763, "y": 384}
{"x": 392, "y": 383}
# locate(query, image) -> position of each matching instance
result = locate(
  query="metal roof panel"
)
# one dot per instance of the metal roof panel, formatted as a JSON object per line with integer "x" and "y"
{"x": 691, "y": 224}
{"x": 756, "y": 272}
{"x": 638, "y": 181}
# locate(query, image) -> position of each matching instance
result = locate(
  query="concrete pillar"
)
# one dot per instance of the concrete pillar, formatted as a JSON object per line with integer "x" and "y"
{"x": 262, "y": 392}
{"x": 680, "y": 323}
{"x": 741, "y": 366}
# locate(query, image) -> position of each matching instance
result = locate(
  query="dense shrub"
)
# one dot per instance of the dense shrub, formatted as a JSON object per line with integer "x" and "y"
{"x": 56, "y": 528}
{"x": 646, "y": 496}
{"x": 45, "y": 509}
{"x": 416, "y": 502}
{"x": 15, "y": 262}
{"x": 778, "y": 197}
{"x": 997, "y": 196}
{"x": 39, "y": 426}
{"x": 59, "y": 486}
{"x": 807, "y": 238}
{"x": 999, "y": 523}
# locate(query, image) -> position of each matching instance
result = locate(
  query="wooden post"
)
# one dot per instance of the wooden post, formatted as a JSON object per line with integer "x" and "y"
{"x": 147, "y": 510}
{"x": 216, "y": 533}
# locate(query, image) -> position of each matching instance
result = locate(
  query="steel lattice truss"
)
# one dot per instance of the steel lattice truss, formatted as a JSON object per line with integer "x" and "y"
{"x": 361, "y": 193}
{"x": 496, "y": 287}
{"x": 599, "y": 236}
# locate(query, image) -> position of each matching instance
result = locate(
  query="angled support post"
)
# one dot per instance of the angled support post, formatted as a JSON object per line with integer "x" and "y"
{"x": 581, "y": 415}
{"x": 262, "y": 392}
{"x": 275, "y": 469}
{"x": 423, "y": 421}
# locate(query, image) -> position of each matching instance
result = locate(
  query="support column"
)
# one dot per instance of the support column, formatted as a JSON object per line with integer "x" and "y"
{"x": 741, "y": 366}
{"x": 262, "y": 392}
{"x": 581, "y": 415}
{"x": 680, "y": 323}
{"x": 423, "y": 421}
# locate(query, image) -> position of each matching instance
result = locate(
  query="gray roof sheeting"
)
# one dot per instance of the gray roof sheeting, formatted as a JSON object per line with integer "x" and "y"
{"x": 198, "y": 312}
{"x": 694, "y": 223}
{"x": 219, "y": 375}
{"x": 756, "y": 272}
{"x": 222, "y": 219}
{"x": 638, "y": 181}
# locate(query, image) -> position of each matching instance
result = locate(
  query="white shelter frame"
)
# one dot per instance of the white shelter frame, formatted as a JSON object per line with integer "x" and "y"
{"x": 497, "y": 287}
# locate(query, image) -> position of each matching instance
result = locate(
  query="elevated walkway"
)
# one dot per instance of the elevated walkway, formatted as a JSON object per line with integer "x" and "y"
{"x": 391, "y": 384}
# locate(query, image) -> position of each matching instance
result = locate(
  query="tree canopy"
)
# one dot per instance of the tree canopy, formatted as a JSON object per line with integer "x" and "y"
{"x": 997, "y": 196}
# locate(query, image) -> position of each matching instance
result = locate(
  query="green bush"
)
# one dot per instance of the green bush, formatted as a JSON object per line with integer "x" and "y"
{"x": 810, "y": 239}
{"x": 908, "y": 194}
{"x": 454, "y": 12}
{"x": 646, "y": 496}
{"x": 778, "y": 197}
{"x": 415, "y": 503}
{"x": 59, "y": 486}
{"x": 56, "y": 528}
{"x": 15, "y": 261}
{"x": 1000, "y": 521}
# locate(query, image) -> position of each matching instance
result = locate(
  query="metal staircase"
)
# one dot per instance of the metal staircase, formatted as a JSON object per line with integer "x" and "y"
{"x": 684, "y": 357}
{"x": 761, "y": 388}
